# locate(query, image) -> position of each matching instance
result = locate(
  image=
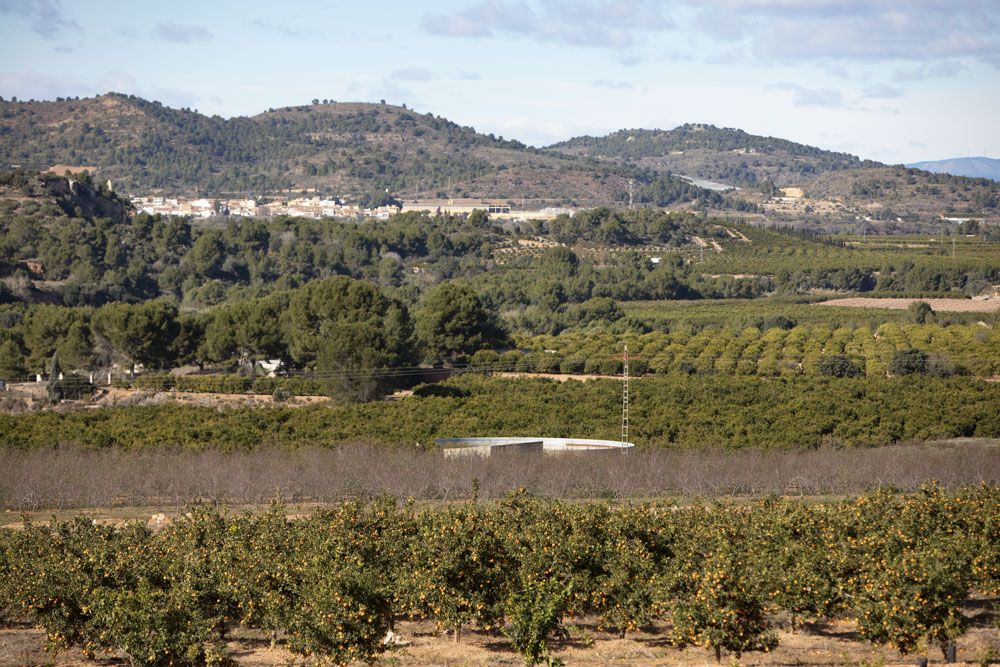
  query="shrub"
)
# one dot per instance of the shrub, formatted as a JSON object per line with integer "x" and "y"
{"x": 920, "y": 312}
{"x": 153, "y": 382}
{"x": 527, "y": 363}
{"x": 571, "y": 365}
{"x": 547, "y": 363}
{"x": 908, "y": 362}
{"x": 611, "y": 367}
{"x": 941, "y": 367}
{"x": 484, "y": 359}
{"x": 508, "y": 360}
{"x": 341, "y": 614}
{"x": 70, "y": 388}
{"x": 840, "y": 366}
{"x": 535, "y": 609}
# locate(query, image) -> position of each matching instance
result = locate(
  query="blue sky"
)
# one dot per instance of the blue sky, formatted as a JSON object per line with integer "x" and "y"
{"x": 893, "y": 81}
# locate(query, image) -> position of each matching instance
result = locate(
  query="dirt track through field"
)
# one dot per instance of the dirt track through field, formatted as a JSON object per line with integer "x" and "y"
{"x": 988, "y": 305}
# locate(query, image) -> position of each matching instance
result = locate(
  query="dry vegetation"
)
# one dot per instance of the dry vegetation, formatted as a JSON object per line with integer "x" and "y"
{"x": 64, "y": 478}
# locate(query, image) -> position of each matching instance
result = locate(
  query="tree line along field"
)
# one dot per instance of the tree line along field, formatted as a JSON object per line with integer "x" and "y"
{"x": 330, "y": 585}
{"x": 782, "y": 348}
{"x": 672, "y": 411}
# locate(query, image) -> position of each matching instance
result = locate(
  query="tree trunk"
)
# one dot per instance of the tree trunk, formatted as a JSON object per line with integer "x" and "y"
{"x": 718, "y": 654}
{"x": 457, "y": 634}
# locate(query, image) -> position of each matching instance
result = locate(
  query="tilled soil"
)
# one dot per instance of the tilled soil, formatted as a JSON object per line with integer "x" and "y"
{"x": 944, "y": 305}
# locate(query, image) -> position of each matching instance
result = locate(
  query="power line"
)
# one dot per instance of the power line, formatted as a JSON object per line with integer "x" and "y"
{"x": 625, "y": 397}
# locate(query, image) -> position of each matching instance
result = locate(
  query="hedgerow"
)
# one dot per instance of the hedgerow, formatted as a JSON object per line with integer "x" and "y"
{"x": 676, "y": 411}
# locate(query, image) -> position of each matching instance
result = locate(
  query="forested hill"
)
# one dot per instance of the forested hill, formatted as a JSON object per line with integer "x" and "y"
{"x": 343, "y": 149}
{"x": 728, "y": 155}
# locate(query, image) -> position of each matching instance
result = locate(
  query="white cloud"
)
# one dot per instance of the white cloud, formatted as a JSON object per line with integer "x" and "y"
{"x": 46, "y": 17}
{"x": 417, "y": 74}
{"x": 882, "y": 91}
{"x": 29, "y": 84}
{"x": 856, "y": 29}
{"x": 769, "y": 30}
{"x": 386, "y": 88}
{"x": 598, "y": 23}
{"x": 614, "y": 85}
{"x": 118, "y": 81}
{"x": 180, "y": 34}
{"x": 281, "y": 29}
{"x": 943, "y": 69}
{"x": 811, "y": 97}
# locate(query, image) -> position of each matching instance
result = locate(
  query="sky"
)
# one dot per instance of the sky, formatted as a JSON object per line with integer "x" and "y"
{"x": 895, "y": 81}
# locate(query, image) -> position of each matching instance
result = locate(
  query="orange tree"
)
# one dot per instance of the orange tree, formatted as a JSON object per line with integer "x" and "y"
{"x": 542, "y": 556}
{"x": 197, "y": 550}
{"x": 914, "y": 596}
{"x": 349, "y": 565}
{"x": 376, "y": 533}
{"x": 534, "y": 609}
{"x": 151, "y": 606}
{"x": 719, "y": 588}
{"x": 980, "y": 509}
{"x": 342, "y": 613}
{"x": 53, "y": 571}
{"x": 8, "y": 560}
{"x": 637, "y": 553}
{"x": 551, "y": 541}
{"x": 455, "y": 568}
{"x": 625, "y": 595}
{"x": 260, "y": 569}
{"x": 105, "y": 589}
{"x": 801, "y": 557}
{"x": 919, "y": 569}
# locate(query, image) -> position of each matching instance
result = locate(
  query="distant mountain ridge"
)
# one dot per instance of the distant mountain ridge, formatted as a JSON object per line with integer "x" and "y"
{"x": 727, "y": 155}
{"x": 373, "y": 153}
{"x": 352, "y": 149}
{"x": 974, "y": 167}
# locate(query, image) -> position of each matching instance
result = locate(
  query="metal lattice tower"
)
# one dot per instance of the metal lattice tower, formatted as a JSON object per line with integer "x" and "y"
{"x": 625, "y": 396}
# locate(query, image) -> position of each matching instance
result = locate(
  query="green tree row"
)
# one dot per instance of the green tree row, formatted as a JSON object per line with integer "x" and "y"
{"x": 330, "y": 586}
{"x": 780, "y": 349}
{"x": 337, "y": 325}
{"x": 677, "y": 411}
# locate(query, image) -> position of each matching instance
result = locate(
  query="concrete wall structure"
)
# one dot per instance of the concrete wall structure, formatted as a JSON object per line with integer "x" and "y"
{"x": 453, "y": 447}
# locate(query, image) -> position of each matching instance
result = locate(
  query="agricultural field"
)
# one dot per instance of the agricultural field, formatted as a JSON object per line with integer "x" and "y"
{"x": 152, "y": 364}
{"x": 764, "y": 311}
{"x": 780, "y": 349}
{"x": 675, "y": 411}
{"x": 983, "y": 305}
{"x": 910, "y": 573}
